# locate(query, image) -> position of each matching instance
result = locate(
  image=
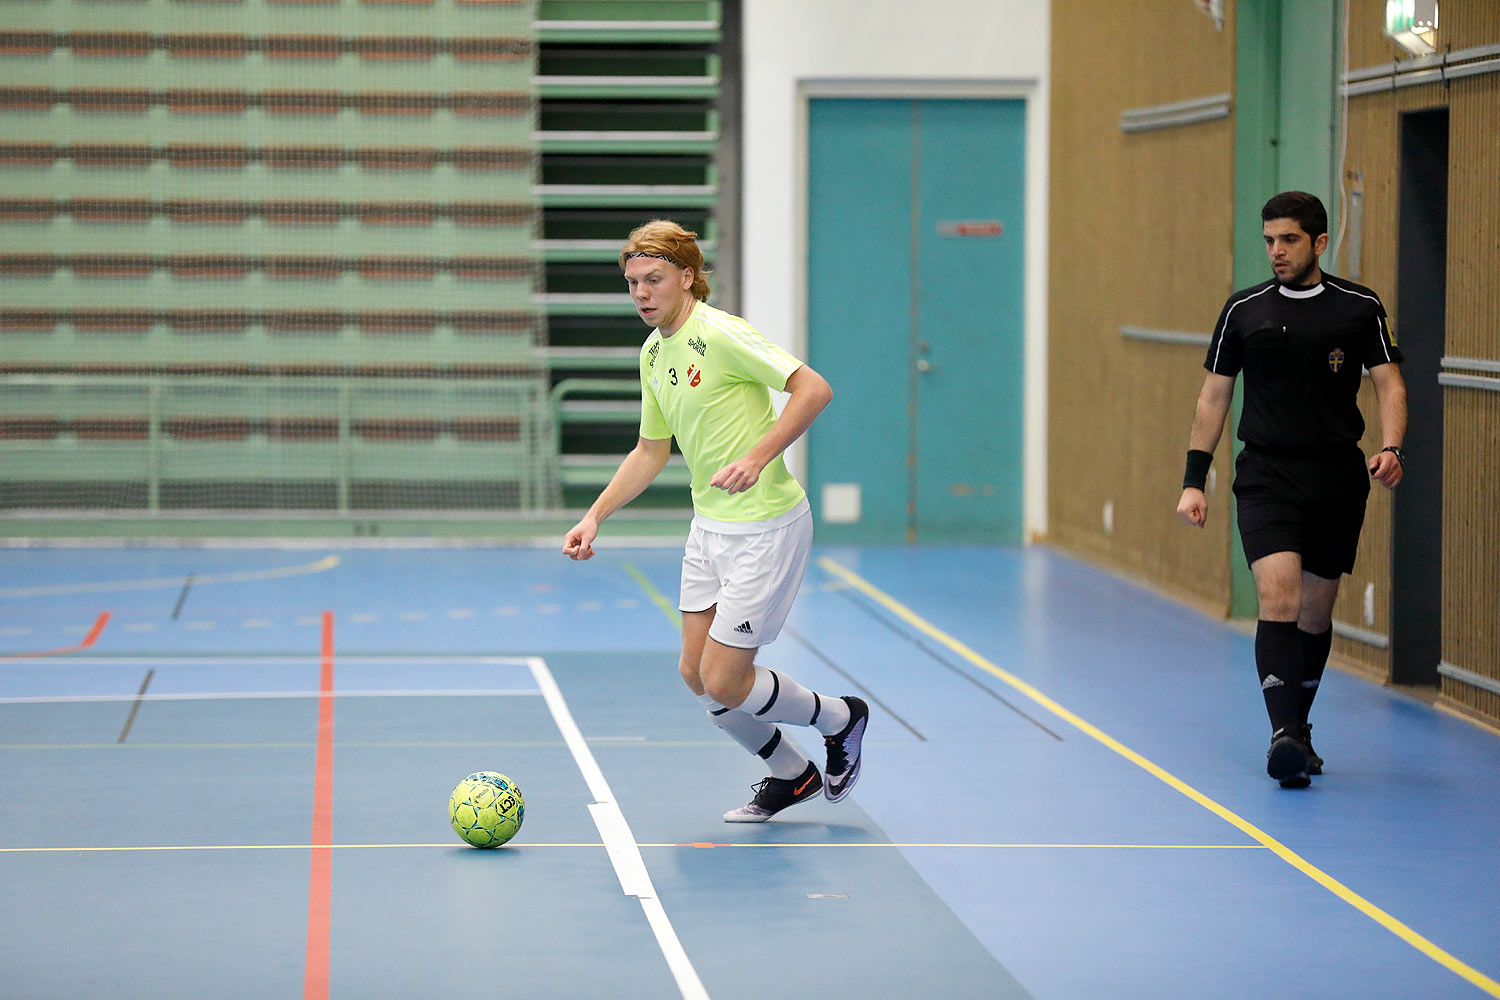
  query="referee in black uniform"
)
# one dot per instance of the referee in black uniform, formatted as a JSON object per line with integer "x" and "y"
{"x": 1300, "y": 483}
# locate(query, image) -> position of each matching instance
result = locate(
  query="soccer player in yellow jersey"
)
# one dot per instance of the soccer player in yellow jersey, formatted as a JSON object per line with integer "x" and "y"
{"x": 706, "y": 379}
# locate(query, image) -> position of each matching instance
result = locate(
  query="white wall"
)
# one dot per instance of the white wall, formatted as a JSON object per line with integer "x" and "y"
{"x": 867, "y": 46}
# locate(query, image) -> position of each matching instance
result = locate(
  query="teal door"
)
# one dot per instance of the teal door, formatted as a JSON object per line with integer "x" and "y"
{"x": 915, "y": 316}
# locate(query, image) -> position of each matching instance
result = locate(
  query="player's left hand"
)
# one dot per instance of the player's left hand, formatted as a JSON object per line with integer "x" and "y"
{"x": 736, "y": 477}
{"x": 1386, "y": 470}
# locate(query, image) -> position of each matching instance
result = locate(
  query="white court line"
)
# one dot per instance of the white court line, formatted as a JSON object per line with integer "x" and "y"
{"x": 619, "y": 842}
{"x": 189, "y": 659}
{"x": 157, "y": 583}
{"x": 244, "y": 695}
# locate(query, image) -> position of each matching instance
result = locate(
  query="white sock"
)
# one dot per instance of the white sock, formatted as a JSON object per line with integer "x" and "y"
{"x": 775, "y": 697}
{"x": 760, "y": 737}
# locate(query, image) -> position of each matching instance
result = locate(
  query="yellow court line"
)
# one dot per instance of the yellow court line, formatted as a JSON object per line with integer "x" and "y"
{"x": 666, "y": 606}
{"x": 1025, "y": 847}
{"x": 143, "y": 848}
{"x": 156, "y": 583}
{"x": 1333, "y": 885}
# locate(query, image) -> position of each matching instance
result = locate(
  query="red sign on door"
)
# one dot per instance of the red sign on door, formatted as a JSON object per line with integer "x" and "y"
{"x": 971, "y": 227}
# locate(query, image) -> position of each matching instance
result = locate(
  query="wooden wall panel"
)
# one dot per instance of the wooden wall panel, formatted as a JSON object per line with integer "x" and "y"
{"x": 1474, "y": 217}
{"x": 1471, "y": 542}
{"x": 1141, "y": 226}
{"x": 1462, "y": 24}
{"x": 1372, "y": 166}
{"x": 1471, "y": 519}
{"x": 1141, "y": 236}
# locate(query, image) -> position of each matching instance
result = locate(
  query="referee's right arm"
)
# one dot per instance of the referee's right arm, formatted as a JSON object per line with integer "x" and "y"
{"x": 1208, "y": 424}
{"x": 1213, "y": 407}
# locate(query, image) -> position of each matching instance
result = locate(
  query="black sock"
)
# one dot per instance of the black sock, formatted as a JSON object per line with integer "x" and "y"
{"x": 1278, "y": 660}
{"x": 1315, "y": 648}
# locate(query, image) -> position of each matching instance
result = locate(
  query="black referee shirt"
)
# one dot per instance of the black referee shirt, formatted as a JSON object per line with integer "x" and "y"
{"x": 1301, "y": 351}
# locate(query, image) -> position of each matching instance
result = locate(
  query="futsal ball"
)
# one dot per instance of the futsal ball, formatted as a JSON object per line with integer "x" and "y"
{"x": 486, "y": 809}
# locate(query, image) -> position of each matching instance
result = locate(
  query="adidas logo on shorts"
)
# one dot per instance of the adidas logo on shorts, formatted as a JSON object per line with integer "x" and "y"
{"x": 744, "y": 628}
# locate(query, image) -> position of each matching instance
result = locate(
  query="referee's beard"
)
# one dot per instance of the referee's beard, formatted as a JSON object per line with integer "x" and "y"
{"x": 1303, "y": 278}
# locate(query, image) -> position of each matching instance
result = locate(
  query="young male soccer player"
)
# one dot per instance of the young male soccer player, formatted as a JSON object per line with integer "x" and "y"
{"x": 706, "y": 378}
{"x": 1300, "y": 484}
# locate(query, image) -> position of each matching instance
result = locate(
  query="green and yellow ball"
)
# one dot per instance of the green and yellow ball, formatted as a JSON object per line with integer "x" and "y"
{"x": 486, "y": 809}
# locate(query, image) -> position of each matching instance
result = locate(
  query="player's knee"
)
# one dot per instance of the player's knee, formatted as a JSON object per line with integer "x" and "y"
{"x": 721, "y": 692}
{"x": 689, "y": 673}
{"x": 726, "y": 687}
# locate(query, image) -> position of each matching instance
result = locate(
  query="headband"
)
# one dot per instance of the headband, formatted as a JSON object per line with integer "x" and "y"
{"x": 658, "y": 256}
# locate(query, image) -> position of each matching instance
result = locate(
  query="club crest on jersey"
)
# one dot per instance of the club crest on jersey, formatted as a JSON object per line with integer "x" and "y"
{"x": 697, "y": 345}
{"x": 1335, "y": 359}
{"x": 694, "y": 375}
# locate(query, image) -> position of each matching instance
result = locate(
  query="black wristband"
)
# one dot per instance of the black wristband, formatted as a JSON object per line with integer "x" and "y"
{"x": 1400, "y": 455}
{"x": 1196, "y": 475}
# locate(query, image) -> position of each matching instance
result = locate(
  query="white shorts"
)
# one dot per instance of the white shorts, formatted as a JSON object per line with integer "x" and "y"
{"x": 750, "y": 571}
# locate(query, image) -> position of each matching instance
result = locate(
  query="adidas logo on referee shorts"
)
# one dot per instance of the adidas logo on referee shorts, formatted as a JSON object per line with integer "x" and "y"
{"x": 744, "y": 628}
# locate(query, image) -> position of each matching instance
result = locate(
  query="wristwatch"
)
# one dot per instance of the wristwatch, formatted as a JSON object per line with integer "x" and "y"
{"x": 1400, "y": 455}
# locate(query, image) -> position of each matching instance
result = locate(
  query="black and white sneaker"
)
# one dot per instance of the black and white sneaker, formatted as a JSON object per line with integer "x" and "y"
{"x": 843, "y": 751}
{"x": 1287, "y": 760}
{"x": 774, "y": 794}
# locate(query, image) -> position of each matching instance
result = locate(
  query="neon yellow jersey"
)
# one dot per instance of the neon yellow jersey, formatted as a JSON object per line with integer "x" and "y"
{"x": 707, "y": 386}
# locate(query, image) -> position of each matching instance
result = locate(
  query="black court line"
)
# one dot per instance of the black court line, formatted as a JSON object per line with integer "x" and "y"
{"x": 854, "y": 598}
{"x": 845, "y": 674}
{"x": 182, "y": 597}
{"x": 135, "y": 706}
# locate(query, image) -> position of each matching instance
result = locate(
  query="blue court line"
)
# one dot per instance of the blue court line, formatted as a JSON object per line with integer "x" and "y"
{"x": 1369, "y": 909}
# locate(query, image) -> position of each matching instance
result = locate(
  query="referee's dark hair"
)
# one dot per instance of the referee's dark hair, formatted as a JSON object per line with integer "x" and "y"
{"x": 1303, "y": 208}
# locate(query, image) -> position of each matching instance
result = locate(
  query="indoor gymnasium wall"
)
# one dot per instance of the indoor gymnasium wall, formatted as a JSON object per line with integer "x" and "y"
{"x": 1371, "y": 168}
{"x": 1471, "y": 431}
{"x": 1141, "y": 225}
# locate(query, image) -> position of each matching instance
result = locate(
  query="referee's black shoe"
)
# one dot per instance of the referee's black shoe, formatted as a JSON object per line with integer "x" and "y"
{"x": 1314, "y": 762}
{"x": 1287, "y": 760}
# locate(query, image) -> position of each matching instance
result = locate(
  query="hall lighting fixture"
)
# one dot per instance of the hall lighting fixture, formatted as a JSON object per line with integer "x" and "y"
{"x": 1412, "y": 24}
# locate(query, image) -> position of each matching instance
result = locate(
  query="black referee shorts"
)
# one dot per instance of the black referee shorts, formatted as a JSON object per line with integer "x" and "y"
{"x": 1313, "y": 504}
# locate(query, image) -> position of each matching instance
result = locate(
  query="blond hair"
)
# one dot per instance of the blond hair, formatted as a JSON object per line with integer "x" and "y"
{"x": 666, "y": 240}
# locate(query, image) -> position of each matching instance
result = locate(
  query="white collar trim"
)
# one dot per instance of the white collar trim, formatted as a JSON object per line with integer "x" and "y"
{"x": 1301, "y": 293}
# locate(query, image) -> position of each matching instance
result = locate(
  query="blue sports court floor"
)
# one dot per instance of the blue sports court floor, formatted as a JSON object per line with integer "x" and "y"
{"x": 224, "y": 773}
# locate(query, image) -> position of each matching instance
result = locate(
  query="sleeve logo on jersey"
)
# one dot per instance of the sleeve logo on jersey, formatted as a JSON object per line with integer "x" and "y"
{"x": 694, "y": 375}
{"x": 1336, "y": 359}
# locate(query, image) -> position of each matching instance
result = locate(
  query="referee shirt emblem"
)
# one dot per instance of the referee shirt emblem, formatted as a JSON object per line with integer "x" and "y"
{"x": 1336, "y": 359}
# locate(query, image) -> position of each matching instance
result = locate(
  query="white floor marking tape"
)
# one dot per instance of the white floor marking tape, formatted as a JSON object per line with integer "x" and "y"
{"x": 619, "y": 842}
{"x": 157, "y": 583}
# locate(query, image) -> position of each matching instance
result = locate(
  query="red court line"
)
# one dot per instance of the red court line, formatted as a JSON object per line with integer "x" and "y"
{"x": 320, "y": 887}
{"x": 88, "y": 641}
